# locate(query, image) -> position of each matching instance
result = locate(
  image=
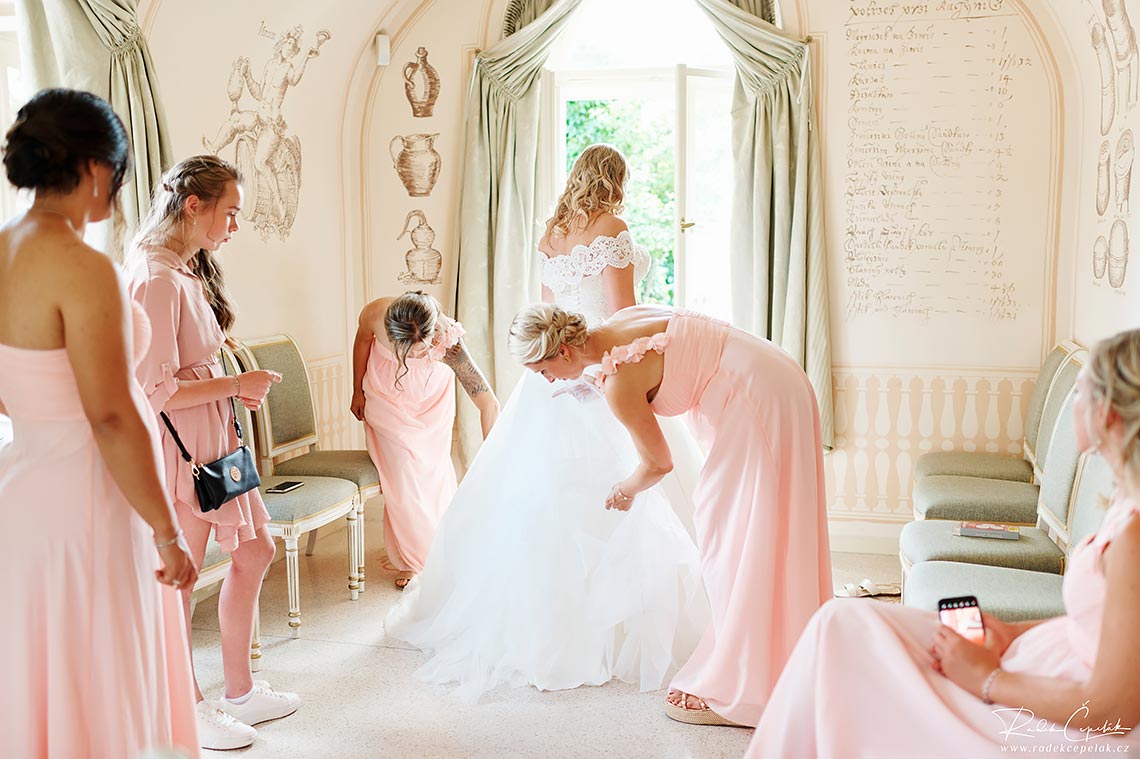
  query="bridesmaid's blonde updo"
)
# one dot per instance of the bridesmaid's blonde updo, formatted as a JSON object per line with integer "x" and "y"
{"x": 538, "y": 331}
{"x": 1114, "y": 371}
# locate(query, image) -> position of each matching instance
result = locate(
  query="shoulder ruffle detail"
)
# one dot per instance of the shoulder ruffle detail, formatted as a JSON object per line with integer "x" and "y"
{"x": 630, "y": 354}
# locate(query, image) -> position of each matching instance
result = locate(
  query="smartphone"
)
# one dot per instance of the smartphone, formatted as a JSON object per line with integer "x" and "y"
{"x": 284, "y": 487}
{"x": 962, "y": 615}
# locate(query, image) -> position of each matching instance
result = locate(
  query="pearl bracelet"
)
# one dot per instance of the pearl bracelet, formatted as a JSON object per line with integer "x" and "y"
{"x": 986, "y": 685}
{"x": 170, "y": 542}
{"x": 622, "y": 495}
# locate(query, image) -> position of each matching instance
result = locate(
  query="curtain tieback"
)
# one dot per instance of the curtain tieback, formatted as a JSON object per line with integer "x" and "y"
{"x": 127, "y": 43}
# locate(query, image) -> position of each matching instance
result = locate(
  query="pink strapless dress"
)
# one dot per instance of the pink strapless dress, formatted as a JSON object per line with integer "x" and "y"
{"x": 759, "y": 507}
{"x": 93, "y": 654}
{"x": 408, "y": 434}
{"x": 861, "y": 681}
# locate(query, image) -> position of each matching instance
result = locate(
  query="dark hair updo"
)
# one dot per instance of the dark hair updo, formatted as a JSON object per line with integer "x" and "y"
{"x": 56, "y": 132}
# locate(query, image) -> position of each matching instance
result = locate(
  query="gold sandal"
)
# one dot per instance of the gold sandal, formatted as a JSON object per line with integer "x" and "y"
{"x": 705, "y": 716}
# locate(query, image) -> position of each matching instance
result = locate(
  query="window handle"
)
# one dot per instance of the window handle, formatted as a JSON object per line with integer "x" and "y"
{"x": 686, "y": 224}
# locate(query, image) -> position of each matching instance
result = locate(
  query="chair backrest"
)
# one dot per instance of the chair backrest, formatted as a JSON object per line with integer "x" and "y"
{"x": 1094, "y": 489}
{"x": 1064, "y": 382}
{"x": 1045, "y": 378}
{"x": 286, "y": 421}
{"x": 1060, "y": 473}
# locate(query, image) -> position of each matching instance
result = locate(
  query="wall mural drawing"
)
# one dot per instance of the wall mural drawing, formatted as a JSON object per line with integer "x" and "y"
{"x": 265, "y": 150}
{"x": 1127, "y": 57}
{"x": 1118, "y": 253}
{"x": 423, "y": 261}
{"x": 416, "y": 162}
{"x": 421, "y": 84}
{"x": 1103, "y": 178}
{"x": 1100, "y": 257}
{"x": 1125, "y": 155}
{"x": 1107, "y": 77}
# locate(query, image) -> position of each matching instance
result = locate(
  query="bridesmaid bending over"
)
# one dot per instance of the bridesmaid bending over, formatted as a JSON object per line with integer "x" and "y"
{"x": 405, "y": 359}
{"x": 869, "y": 679}
{"x": 759, "y": 508}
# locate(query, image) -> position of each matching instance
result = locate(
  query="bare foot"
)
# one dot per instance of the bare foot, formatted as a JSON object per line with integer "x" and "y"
{"x": 686, "y": 701}
{"x": 403, "y": 578}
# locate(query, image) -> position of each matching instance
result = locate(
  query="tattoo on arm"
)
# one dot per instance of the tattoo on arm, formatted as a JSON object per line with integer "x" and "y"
{"x": 465, "y": 370}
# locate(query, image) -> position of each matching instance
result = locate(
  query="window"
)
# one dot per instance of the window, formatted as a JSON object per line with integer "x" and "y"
{"x": 660, "y": 90}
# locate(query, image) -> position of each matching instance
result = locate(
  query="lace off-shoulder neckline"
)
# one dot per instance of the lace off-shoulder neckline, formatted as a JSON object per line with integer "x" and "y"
{"x": 590, "y": 260}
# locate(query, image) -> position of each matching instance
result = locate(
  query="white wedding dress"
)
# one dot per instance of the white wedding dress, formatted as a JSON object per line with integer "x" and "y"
{"x": 530, "y": 580}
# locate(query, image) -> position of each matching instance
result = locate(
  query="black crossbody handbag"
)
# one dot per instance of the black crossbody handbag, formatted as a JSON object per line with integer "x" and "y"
{"x": 223, "y": 480}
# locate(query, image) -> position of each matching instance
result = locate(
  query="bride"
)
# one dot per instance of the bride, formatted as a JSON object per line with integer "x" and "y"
{"x": 530, "y": 580}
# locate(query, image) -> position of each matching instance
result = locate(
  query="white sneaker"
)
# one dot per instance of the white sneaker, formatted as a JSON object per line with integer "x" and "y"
{"x": 220, "y": 731}
{"x": 263, "y": 704}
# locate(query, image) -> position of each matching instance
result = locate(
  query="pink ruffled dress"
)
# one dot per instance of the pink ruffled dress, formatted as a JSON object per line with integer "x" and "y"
{"x": 861, "y": 681}
{"x": 185, "y": 345}
{"x": 93, "y": 654}
{"x": 759, "y": 506}
{"x": 408, "y": 434}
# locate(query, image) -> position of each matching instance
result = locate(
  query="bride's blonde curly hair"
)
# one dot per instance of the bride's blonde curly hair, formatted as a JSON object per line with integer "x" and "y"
{"x": 596, "y": 185}
{"x": 538, "y": 331}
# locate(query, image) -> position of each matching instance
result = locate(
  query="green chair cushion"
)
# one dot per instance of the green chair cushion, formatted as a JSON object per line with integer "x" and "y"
{"x": 944, "y": 496}
{"x": 994, "y": 466}
{"x": 1013, "y": 595}
{"x": 935, "y": 541}
{"x": 316, "y": 495}
{"x": 354, "y": 466}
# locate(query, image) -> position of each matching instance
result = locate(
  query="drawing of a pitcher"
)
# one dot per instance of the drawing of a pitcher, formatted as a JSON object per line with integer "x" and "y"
{"x": 416, "y": 162}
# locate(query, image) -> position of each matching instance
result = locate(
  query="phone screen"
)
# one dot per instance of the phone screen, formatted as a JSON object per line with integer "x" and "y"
{"x": 284, "y": 487}
{"x": 964, "y": 617}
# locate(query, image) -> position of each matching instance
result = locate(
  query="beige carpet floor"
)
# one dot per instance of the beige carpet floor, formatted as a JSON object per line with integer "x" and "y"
{"x": 361, "y": 699}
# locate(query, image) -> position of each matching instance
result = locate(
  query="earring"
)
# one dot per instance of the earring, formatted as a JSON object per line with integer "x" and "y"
{"x": 95, "y": 187}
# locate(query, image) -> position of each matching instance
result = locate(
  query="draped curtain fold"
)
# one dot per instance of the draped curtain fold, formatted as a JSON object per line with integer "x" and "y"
{"x": 97, "y": 45}
{"x": 495, "y": 261}
{"x": 776, "y": 242}
{"x": 776, "y": 245}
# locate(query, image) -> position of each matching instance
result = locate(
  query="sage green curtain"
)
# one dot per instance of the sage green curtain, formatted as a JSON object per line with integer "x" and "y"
{"x": 96, "y": 45}
{"x": 777, "y": 250}
{"x": 496, "y": 272}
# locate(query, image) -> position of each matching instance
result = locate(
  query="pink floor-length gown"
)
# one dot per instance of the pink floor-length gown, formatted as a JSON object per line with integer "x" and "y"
{"x": 408, "y": 435}
{"x": 861, "y": 682}
{"x": 185, "y": 345}
{"x": 759, "y": 507}
{"x": 93, "y": 653}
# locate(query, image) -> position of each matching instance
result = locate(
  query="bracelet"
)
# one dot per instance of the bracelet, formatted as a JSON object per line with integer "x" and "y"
{"x": 621, "y": 494}
{"x": 986, "y": 685}
{"x": 237, "y": 386}
{"x": 170, "y": 542}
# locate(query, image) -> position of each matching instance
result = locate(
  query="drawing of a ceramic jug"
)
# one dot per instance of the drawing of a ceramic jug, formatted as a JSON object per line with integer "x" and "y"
{"x": 421, "y": 84}
{"x": 416, "y": 162}
{"x": 424, "y": 262}
{"x": 1117, "y": 253}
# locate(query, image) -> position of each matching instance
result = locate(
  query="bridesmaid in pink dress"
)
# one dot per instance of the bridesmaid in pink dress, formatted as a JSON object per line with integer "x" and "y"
{"x": 176, "y": 278}
{"x": 759, "y": 507}
{"x": 868, "y": 679}
{"x": 92, "y": 649}
{"x": 406, "y": 357}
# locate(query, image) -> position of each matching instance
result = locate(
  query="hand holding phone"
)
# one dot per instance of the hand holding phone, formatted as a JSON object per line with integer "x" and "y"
{"x": 962, "y": 615}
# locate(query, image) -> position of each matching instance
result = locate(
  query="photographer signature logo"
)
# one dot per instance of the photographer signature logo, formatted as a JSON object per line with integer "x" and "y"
{"x": 1023, "y": 723}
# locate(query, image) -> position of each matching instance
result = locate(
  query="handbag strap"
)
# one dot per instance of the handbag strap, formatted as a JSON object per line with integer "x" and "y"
{"x": 178, "y": 441}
